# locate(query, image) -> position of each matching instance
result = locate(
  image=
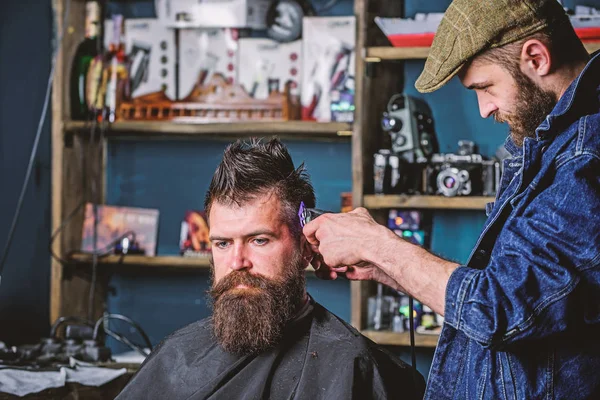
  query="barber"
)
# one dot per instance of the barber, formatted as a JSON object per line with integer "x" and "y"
{"x": 522, "y": 316}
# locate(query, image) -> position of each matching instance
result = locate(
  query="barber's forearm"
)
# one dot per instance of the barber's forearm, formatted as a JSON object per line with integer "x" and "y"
{"x": 420, "y": 273}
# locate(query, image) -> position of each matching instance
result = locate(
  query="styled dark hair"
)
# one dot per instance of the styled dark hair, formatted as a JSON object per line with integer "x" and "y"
{"x": 255, "y": 168}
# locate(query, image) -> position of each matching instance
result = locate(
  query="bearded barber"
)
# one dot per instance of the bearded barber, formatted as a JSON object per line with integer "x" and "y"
{"x": 522, "y": 316}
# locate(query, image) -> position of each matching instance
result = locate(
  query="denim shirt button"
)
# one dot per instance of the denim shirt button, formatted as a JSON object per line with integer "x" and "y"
{"x": 544, "y": 148}
{"x": 480, "y": 255}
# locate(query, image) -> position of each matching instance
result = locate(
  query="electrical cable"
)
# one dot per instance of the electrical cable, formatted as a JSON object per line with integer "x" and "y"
{"x": 35, "y": 143}
{"x": 95, "y": 174}
{"x": 126, "y": 341}
{"x": 102, "y": 322}
{"x": 411, "y": 325}
{"x": 61, "y": 320}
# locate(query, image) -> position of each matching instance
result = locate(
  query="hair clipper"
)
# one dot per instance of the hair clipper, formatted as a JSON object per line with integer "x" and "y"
{"x": 308, "y": 214}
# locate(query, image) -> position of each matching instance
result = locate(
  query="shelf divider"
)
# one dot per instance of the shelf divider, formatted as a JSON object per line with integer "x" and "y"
{"x": 427, "y": 202}
{"x": 401, "y": 339}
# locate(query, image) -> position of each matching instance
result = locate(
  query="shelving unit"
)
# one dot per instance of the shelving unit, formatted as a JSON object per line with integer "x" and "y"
{"x": 72, "y": 172}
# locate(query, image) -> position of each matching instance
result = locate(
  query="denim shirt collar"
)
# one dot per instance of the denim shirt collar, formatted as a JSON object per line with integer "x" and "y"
{"x": 564, "y": 105}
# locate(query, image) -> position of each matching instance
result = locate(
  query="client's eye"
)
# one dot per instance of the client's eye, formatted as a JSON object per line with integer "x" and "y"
{"x": 261, "y": 241}
{"x": 221, "y": 244}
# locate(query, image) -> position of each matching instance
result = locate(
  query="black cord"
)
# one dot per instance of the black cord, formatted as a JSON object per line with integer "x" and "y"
{"x": 36, "y": 142}
{"x": 62, "y": 320}
{"x": 411, "y": 323}
{"x": 126, "y": 341}
{"x": 102, "y": 322}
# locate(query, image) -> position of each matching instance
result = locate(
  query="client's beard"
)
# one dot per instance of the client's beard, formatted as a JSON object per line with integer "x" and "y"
{"x": 252, "y": 320}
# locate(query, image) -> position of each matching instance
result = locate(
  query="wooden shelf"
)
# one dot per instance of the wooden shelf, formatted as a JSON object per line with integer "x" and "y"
{"x": 176, "y": 262}
{"x": 375, "y": 54}
{"x": 428, "y": 202}
{"x": 401, "y": 339}
{"x": 158, "y": 262}
{"x": 396, "y": 53}
{"x": 290, "y": 129}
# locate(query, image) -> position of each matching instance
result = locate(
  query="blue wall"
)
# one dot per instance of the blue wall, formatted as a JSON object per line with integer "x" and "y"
{"x": 25, "y": 34}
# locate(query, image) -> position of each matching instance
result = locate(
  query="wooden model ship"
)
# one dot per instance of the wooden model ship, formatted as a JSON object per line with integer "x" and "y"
{"x": 216, "y": 101}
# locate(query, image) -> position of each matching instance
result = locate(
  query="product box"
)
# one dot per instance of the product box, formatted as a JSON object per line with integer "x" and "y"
{"x": 150, "y": 47}
{"x": 193, "y": 240}
{"x": 268, "y": 65}
{"x": 328, "y": 68}
{"x": 204, "y": 52}
{"x": 213, "y": 13}
{"x": 114, "y": 223}
{"x": 405, "y": 219}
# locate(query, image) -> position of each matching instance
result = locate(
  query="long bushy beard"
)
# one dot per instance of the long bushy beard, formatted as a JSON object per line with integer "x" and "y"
{"x": 531, "y": 108}
{"x": 252, "y": 320}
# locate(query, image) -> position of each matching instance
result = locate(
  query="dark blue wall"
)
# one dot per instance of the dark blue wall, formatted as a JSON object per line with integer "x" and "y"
{"x": 25, "y": 50}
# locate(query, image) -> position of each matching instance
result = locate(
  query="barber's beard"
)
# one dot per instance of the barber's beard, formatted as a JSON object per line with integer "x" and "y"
{"x": 532, "y": 106}
{"x": 251, "y": 320}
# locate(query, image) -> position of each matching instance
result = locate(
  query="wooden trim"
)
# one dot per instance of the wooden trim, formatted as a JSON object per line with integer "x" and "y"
{"x": 360, "y": 11}
{"x": 356, "y": 304}
{"x": 299, "y": 129}
{"x": 427, "y": 202}
{"x": 401, "y": 339}
{"x": 374, "y": 54}
{"x": 592, "y": 46}
{"x": 397, "y": 53}
{"x": 56, "y": 270}
{"x": 146, "y": 261}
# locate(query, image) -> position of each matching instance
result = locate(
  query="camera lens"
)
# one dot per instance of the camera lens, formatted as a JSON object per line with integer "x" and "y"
{"x": 391, "y": 124}
{"x": 449, "y": 182}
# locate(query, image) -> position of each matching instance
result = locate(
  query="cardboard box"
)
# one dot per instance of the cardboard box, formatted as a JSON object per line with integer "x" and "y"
{"x": 328, "y": 68}
{"x": 204, "y": 52}
{"x": 193, "y": 239}
{"x": 269, "y": 65}
{"x": 150, "y": 47}
{"x": 114, "y": 223}
{"x": 213, "y": 13}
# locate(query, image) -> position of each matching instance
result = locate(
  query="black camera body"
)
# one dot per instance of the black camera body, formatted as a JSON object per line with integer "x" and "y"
{"x": 453, "y": 175}
{"x": 465, "y": 173}
{"x": 409, "y": 122}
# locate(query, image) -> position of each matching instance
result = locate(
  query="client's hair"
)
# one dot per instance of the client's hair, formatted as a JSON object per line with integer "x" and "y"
{"x": 255, "y": 168}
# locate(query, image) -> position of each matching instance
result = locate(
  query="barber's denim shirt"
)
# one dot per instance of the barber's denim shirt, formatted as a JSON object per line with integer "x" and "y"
{"x": 522, "y": 317}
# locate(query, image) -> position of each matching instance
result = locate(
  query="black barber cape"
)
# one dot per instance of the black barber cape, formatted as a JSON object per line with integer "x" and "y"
{"x": 320, "y": 357}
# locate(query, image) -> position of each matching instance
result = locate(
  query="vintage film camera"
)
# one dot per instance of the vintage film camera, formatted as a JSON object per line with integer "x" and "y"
{"x": 463, "y": 174}
{"x": 409, "y": 122}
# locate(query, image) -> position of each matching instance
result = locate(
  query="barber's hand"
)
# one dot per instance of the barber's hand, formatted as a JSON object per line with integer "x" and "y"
{"x": 342, "y": 242}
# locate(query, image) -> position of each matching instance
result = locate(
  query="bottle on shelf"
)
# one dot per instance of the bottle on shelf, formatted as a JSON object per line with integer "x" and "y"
{"x": 116, "y": 74}
{"x": 87, "y": 50}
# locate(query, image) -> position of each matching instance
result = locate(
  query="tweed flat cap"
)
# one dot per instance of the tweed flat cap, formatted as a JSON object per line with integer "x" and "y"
{"x": 472, "y": 26}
